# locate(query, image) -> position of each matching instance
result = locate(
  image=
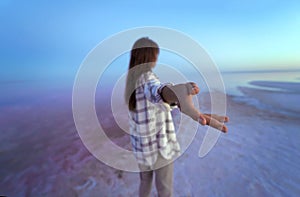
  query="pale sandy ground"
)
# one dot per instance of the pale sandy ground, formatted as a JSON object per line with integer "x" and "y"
{"x": 42, "y": 155}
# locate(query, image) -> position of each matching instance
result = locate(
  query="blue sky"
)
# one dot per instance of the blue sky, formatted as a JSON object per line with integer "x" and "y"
{"x": 48, "y": 38}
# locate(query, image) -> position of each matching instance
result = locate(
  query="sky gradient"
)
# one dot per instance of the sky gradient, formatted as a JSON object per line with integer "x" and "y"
{"x": 44, "y": 38}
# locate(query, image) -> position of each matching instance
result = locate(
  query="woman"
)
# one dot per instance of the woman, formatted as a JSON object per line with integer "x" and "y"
{"x": 152, "y": 130}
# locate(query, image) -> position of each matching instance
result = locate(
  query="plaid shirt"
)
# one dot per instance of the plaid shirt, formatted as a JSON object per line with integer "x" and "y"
{"x": 151, "y": 125}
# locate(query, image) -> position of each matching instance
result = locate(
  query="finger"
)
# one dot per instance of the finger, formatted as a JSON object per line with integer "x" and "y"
{"x": 219, "y": 117}
{"x": 193, "y": 88}
{"x": 196, "y": 89}
{"x": 202, "y": 119}
{"x": 216, "y": 124}
{"x": 194, "y": 85}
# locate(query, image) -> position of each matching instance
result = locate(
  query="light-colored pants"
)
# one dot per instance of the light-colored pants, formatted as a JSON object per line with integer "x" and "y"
{"x": 163, "y": 179}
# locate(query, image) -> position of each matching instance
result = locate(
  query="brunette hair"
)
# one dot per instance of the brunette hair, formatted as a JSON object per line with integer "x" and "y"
{"x": 142, "y": 58}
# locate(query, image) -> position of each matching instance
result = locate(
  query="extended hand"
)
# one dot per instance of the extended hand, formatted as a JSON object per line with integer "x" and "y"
{"x": 182, "y": 95}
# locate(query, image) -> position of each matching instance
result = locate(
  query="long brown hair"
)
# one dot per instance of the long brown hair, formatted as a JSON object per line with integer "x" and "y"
{"x": 142, "y": 58}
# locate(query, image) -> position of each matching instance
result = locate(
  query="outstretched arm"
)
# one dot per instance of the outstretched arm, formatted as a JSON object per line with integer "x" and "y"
{"x": 181, "y": 95}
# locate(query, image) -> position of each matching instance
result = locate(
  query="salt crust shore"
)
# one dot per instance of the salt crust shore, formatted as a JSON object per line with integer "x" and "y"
{"x": 285, "y": 86}
{"x": 284, "y": 98}
{"x": 42, "y": 155}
